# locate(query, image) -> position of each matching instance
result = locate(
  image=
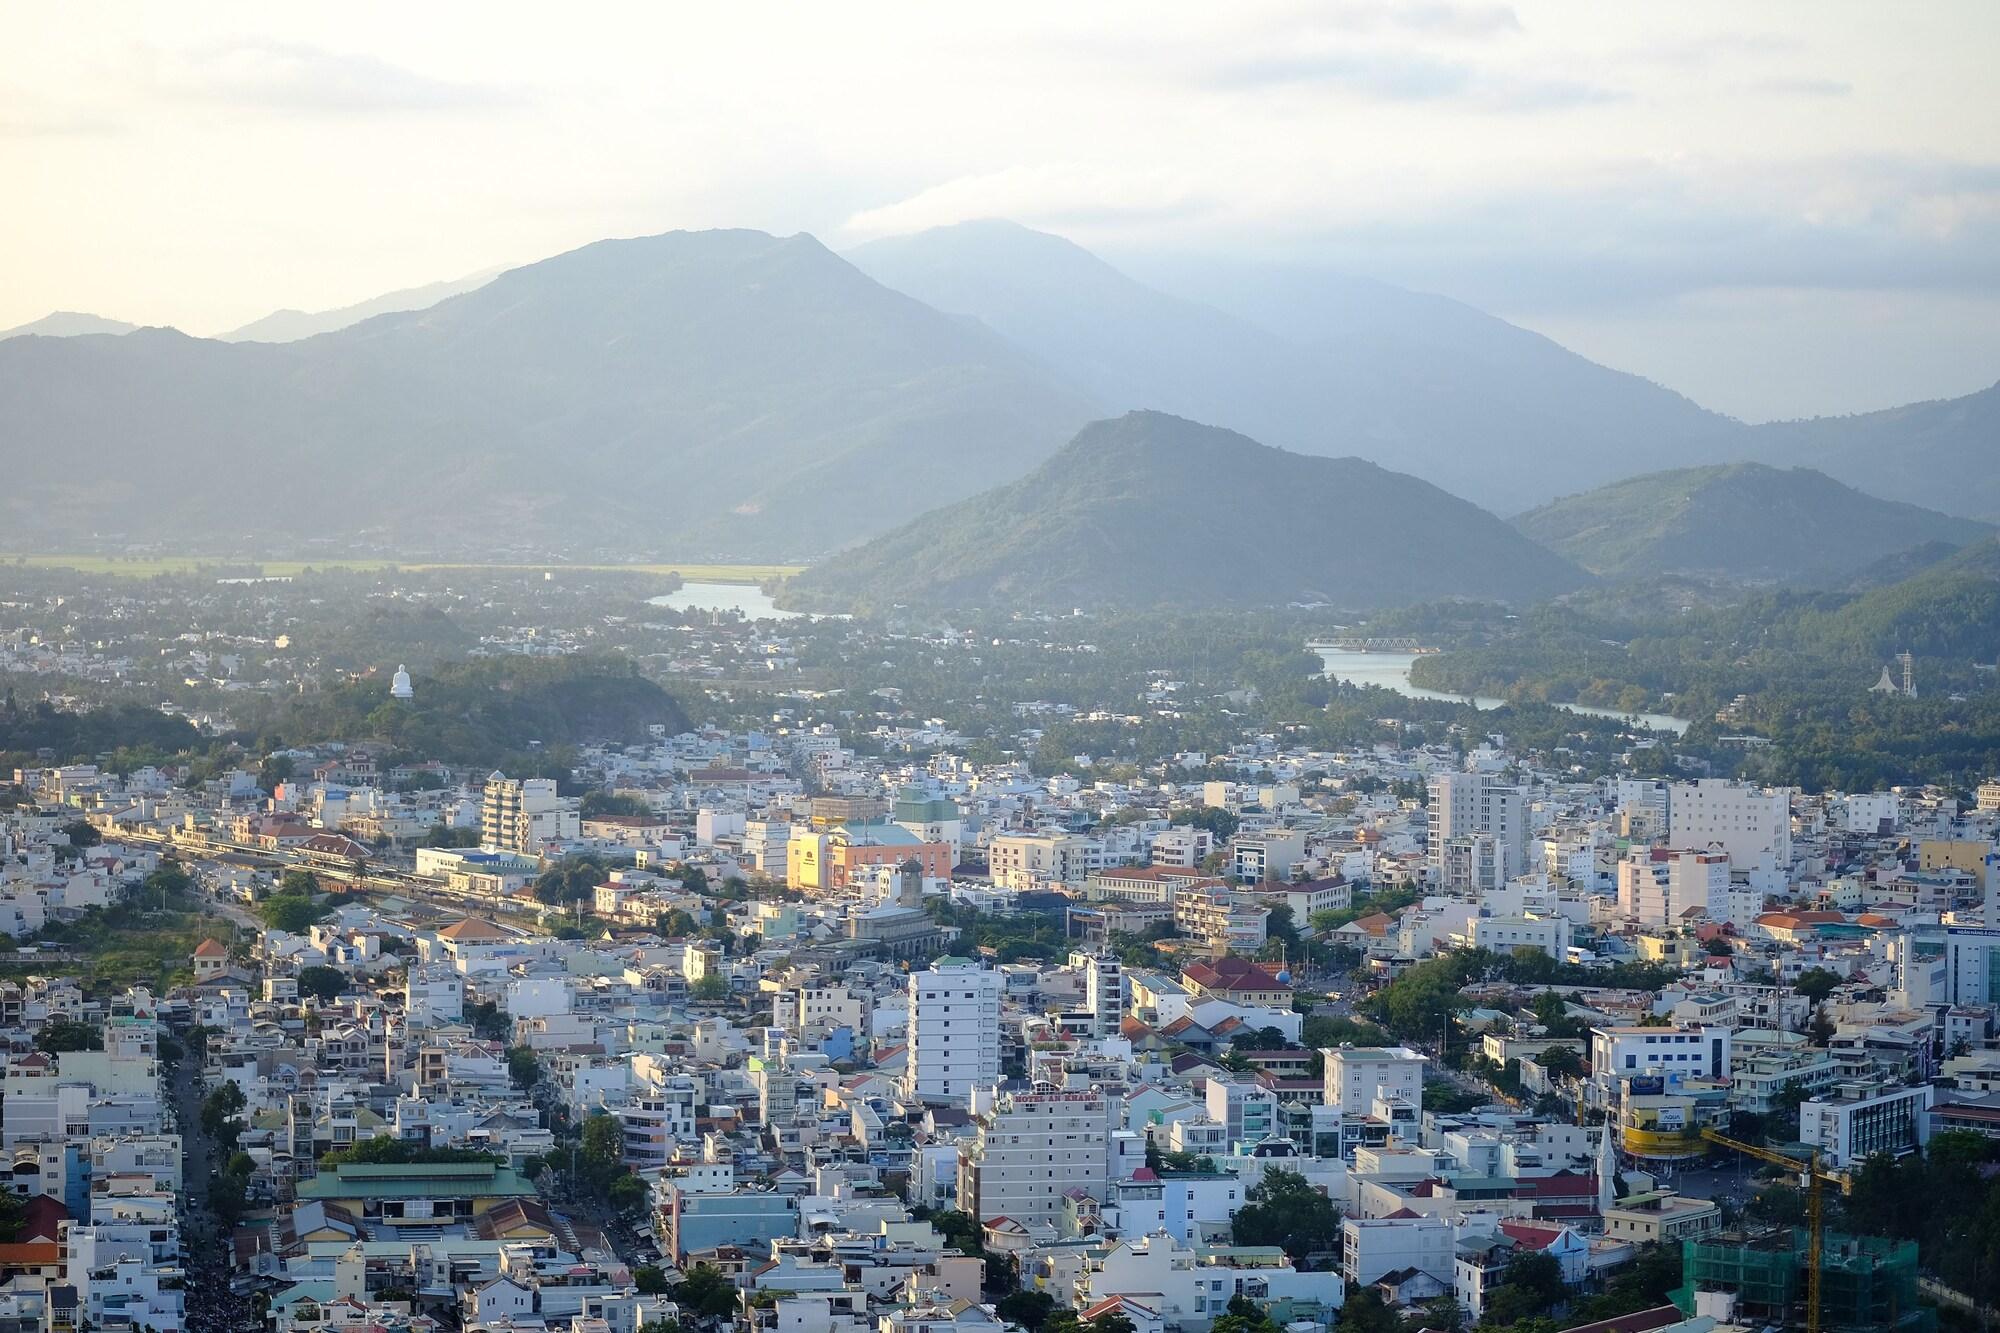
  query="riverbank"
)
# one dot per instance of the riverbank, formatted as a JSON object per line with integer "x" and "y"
{"x": 1391, "y": 671}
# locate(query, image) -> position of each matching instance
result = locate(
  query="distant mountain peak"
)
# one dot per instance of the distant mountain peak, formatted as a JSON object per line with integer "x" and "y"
{"x": 1742, "y": 520}
{"x": 68, "y": 324}
{"x": 1106, "y": 522}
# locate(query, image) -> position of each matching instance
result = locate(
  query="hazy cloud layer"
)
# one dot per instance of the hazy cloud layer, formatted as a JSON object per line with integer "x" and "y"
{"x": 292, "y": 76}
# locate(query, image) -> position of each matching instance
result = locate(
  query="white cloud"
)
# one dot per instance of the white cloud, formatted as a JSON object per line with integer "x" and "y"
{"x": 275, "y": 75}
{"x": 1049, "y": 195}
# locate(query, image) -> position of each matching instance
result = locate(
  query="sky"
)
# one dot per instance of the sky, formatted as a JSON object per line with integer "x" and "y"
{"x": 1778, "y": 209}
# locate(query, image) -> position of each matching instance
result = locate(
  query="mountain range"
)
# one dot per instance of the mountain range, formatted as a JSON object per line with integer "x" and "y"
{"x": 68, "y": 324}
{"x": 1739, "y": 521}
{"x": 729, "y": 393}
{"x": 283, "y": 326}
{"x": 739, "y": 395}
{"x": 1152, "y": 510}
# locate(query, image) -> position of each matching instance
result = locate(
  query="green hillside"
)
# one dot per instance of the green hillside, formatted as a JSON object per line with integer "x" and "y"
{"x": 1150, "y": 509}
{"x": 1738, "y": 520}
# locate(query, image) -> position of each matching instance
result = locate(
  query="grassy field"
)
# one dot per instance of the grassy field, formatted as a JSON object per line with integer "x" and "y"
{"x": 143, "y": 567}
{"x": 127, "y": 946}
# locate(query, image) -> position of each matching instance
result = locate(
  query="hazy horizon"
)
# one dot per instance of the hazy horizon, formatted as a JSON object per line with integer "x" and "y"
{"x": 1781, "y": 212}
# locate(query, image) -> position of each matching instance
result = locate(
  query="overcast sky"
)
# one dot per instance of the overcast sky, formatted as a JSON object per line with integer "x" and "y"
{"x": 1779, "y": 209}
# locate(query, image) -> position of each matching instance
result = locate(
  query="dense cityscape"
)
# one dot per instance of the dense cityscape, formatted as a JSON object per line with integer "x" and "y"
{"x": 772, "y": 999}
{"x": 1141, "y": 667}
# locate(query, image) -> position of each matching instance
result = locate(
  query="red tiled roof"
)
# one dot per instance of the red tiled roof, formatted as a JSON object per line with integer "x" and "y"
{"x": 31, "y": 1254}
{"x": 1234, "y": 974}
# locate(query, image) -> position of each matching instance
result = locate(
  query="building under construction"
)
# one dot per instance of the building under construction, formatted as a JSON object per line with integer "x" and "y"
{"x": 1865, "y": 1282}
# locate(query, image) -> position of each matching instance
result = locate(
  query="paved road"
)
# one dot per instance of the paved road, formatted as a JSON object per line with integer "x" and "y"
{"x": 211, "y": 1306}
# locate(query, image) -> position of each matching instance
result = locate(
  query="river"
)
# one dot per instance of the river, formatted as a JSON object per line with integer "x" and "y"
{"x": 747, "y": 598}
{"x": 1392, "y": 672}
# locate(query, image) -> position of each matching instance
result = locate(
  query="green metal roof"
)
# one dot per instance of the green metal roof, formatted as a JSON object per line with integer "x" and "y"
{"x": 427, "y": 1180}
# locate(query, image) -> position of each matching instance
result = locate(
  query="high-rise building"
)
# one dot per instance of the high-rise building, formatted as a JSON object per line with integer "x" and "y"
{"x": 1031, "y": 1150}
{"x": 1752, "y": 825}
{"x": 520, "y": 814}
{"x": 954, "y": 1031}
{"x": 1105, "y": 991}
{"x": 1478, "y": 831}
{"x": 1657, "y": 886}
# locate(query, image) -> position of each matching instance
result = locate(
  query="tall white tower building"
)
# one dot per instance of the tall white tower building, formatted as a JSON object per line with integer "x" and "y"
{"x": 954, "y": 1031}
{"x": 1478, "y": 831}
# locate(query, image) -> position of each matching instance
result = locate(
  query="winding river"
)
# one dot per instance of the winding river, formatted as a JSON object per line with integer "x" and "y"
{"x": 1392, "y": 672}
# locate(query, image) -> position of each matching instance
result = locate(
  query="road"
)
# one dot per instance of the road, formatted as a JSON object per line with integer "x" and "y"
{"x": 211, "y": 1306}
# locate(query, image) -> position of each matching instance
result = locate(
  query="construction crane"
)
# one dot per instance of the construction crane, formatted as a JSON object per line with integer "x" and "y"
{"x": 1814, "y": 1178}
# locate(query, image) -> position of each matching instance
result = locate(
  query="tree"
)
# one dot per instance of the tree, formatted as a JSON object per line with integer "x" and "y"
{"x": 1717, "y": 947}
{"x": 13, "y": 1212}
{"x": 1027, "y": 1308}
{"x": 1286, "y": 1211}
{"x": 676, "y": 924}
{"x": 1111, "y": 1321}
{"x": 693, "y": 879}
{"x": 81, "y": 833}
{"x": 603, "y": 1141}
{"x": 1214, "y": 818}
{"x": 1366, "y": 1312}
{"x": 290, "y": 912}
{"x": 628, "y": 1194}
{"x": 524, "y": 1067}
{"x": 650, "y": 1279}
{"x": 322, "y": 982}
{"x": 170, "y": 881}
{"x": 1561, "y": 1062}
{"x": 712, "y": 986}
{"x": 1821, "y": 1030}
{"x": 1532, "y": 1285}
{"x": 388, "y": 1150}
{"x": 1816, "y": 983}
{"x": 1445, "y": 1314}
{"x": 66, "y": 1035}
{"x": 299, "y": 881}
{"x": 218, "y": 1115}
{"x": 1244, "y": 1316}
{"x": 705, "y": 1292}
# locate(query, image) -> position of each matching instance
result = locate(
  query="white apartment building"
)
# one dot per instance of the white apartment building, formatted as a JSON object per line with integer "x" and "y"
{"x": 1032, "y": 1149}
{"x": 1860, "y": 1121}
{"x": 1036, "y": 860}
{"x": 1752, "y": 825}
{"x": 520, "y": 814}
{"x": 1221, "y": 919}
{"x": 1106, "y": 991}
{"x": 1372, "y": 1246}
{"x": 764, "y": 844}
{"x": 1619, "y": 1052}
{"x": 1657, "y": 887}
{"x": 1182, "y": 846}
{"x": 954, "y": 1034}
{"x": 1357, "y": 1075}
{"x": 1505, "y": 934}
{"x": 818, "y": 1010}
{"x": 1478, "y": 831}
{"x": 1267, "y": 855}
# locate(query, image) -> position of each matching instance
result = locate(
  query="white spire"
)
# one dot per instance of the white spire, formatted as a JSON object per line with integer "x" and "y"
{"x": 1607, "y": 1164}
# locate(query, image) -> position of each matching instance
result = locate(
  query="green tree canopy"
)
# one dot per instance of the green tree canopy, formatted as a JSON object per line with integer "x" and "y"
{"x": 1284, "y": 1210}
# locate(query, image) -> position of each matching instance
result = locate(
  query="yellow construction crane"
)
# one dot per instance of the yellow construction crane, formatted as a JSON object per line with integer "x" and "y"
{"x": 1814, "y": 1178}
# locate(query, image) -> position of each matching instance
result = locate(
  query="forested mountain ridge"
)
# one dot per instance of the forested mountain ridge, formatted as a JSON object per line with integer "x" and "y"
{"x": 1150, "y": 509}
{"x": 1738, "y": 520}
